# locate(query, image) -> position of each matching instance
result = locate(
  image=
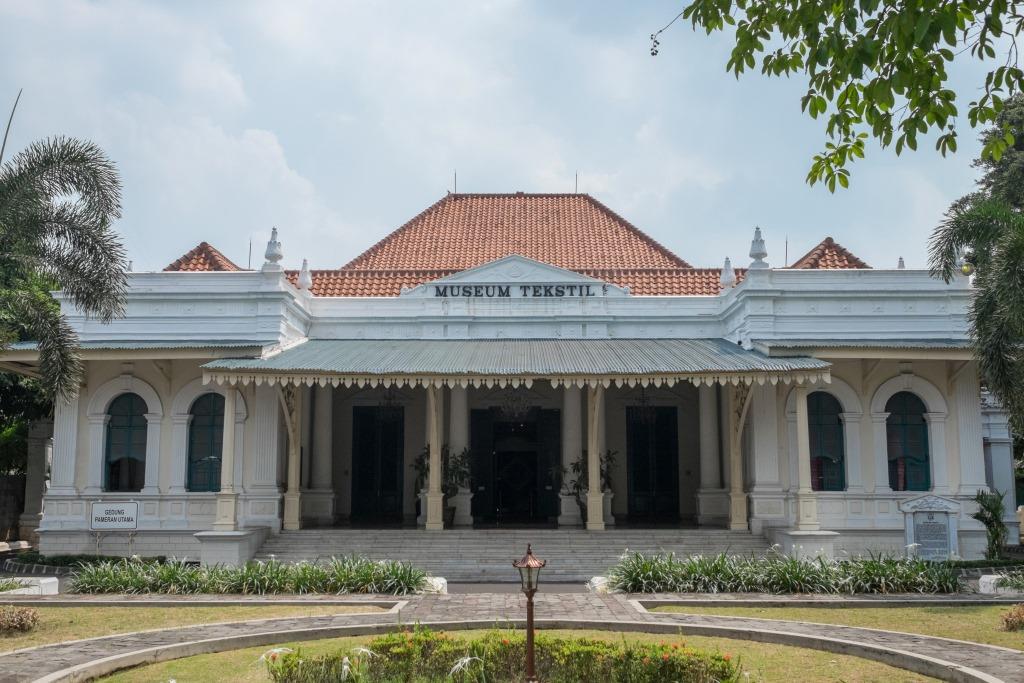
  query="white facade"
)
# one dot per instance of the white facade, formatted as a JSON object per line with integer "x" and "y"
{"x": 742, "y": 451}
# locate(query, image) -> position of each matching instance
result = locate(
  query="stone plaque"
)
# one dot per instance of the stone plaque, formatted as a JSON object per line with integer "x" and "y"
{"x": 931, "y": 527}
{"x": 931, "y": 534}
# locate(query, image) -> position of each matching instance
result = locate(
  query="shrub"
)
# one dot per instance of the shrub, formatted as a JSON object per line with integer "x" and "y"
{"x": 1014, "y": 580}
{"x": 1013, "y": 620}
{"x": 991, "y": 508}
{"x": 10, "y": 585}
{"x": 341, "y": 575}
{"x": 776, "y": 573}
{"x": 500, "y": 656}
{"x": 17, "y": 619}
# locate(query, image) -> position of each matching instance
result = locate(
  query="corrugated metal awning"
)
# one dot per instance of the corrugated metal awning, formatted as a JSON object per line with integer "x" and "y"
{"x": 513, "y": 361}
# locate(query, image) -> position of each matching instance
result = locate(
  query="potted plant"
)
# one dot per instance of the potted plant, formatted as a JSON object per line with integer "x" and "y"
{"x": 421, "y": 466}
{"x": 574, "y": 484}
{"x": 457, "y": 488}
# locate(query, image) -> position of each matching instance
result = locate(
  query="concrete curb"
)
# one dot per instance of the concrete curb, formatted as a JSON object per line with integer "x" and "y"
{"x": 851, "y": 603}
{"x": 922, "y": 664}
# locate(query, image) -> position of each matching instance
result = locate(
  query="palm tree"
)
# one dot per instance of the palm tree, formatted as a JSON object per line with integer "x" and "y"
{"x": 58, "y": 198}
{"x": 986, "y": 236}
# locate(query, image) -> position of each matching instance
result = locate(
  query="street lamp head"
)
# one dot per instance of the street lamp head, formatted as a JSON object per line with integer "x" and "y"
{"x": 529, "y": 570}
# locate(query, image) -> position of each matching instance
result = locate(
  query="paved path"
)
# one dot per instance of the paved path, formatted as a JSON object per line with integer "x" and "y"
{"x": 938, "y": 657}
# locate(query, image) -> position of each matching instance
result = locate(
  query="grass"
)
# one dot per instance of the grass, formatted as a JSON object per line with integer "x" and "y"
{"x": 57, "y": 624}
{"x": 767, "y": 663}
{"x": 10, "y": 585}
{"x": 980, "y": 624}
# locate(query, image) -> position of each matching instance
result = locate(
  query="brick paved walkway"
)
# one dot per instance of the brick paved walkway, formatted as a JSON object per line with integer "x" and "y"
{"x": 942, "y": 658}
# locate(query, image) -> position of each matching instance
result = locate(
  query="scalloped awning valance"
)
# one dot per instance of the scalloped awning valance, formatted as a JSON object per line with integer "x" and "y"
{"x": 515, "y": 362}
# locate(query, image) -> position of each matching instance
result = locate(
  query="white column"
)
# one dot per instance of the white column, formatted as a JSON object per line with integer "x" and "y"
{"x": 572, "y": 449}
{"x": 323, "y": 440}
{"x": 35, "y": 479}
{"x": 967, "y": 396}
{"x": 179, "y": 453}
{"x": 737, "y": 496}
{"x": 94, "y": 473}
{"x": 851, "y": 444}
{"x": 65, "y": 446}
{"x": 806, "y": 501}
{"x": 710, "y": 460}
{"x": 937, "y": 451}
{"x": 595, "y": 430}
{"x": 306, "y": 465}
{"x": 151, "y": 472}
{"x": 881, "y": 452}
{"x": 227, "y": 514}
{"x": 435, "y": 497}
{"x": 458, "y": 425}
{"x": 293, "y": 497}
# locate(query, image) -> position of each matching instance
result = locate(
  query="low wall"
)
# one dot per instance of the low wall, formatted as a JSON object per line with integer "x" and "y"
{"x": 150, "y": 543}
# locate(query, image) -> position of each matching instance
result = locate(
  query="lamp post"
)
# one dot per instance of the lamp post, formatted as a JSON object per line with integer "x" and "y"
{"x": 529, "y": 573}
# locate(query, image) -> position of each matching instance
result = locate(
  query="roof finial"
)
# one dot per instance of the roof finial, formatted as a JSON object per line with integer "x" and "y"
{"x": 305, "y": 279}
{"x": 728, "y": 279}
{"x": 273, "y": 253}
{"x": 758, "y": 250}
{"x": 900, "y": 265}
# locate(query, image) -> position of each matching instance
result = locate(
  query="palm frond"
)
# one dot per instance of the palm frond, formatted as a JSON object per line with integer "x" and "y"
{"x": 59, "y": 362}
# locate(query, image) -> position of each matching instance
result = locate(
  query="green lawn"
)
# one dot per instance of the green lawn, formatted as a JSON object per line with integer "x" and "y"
{"x": 57, "y": 624}
{"x": 982, "y": 624}
{"x": 767, "y": 663}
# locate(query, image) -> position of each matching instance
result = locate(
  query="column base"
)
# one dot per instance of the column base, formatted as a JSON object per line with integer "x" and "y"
{"x": 318, "y": 506}
{"x": 738, "y": 511}
{"x": 569, "y": 511}
{"x": 227, "y": 512}
{"x": 806, "y": 544}
{"x": 807, "y": 511}
{"x": 435, "y": 511}
{"x": 595, "y": 512}
{"x": 28, "y": 525}
{"x": 712, "y": 507}
{"x": 229, "y": 548}
{"x": 292, "y": 511}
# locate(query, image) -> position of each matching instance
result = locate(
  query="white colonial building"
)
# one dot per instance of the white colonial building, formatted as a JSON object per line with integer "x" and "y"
{"x": 570, "y": 370}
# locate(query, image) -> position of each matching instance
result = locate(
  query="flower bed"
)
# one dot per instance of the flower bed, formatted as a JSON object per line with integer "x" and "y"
{"x": 422, "y": 655}
{"x": 665, "y": 573}
{"x": 341, "y": 575}
{"x": 1013, "y": 581}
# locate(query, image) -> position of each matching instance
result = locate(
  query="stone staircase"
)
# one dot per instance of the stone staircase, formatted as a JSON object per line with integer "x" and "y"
{"x": 485, "y": 555}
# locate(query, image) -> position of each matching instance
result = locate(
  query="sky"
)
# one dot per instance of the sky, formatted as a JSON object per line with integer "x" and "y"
{"x": 339, "y": 121}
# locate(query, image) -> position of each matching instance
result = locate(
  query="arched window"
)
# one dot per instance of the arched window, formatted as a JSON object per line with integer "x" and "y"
{"x": 205, "y": 436}
{"x": 828, "y": 464}
{"x": 907, "y": 438}
{"x": 126, "y": 444}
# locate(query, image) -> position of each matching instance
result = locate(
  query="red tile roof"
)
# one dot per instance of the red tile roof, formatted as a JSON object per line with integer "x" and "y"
{"x": 829, "y": 255}
{"x": 573, "y": 231}
{"x": 204, "y": 257}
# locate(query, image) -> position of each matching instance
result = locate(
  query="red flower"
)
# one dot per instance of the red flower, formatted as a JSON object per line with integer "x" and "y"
{"x": 727, "y": 656}
{"x": 666, "y": 656}
{"x": 505, "y": 641}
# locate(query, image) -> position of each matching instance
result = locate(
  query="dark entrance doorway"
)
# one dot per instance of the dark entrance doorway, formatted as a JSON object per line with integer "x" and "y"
{"x": 514, "y": 462}
{"x": 652, "y": 463}
{"x": 378, "y": 438}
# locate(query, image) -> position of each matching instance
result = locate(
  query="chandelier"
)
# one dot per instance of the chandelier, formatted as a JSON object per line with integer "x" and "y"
{"x": 645, "y": 412}
{"x": 514, "y": 405}
{"x": 390, "y": 406}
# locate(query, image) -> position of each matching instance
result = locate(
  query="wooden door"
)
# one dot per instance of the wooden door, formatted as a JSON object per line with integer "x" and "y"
{"x": 652, "y": 463}
{"x": 378, "y": 437}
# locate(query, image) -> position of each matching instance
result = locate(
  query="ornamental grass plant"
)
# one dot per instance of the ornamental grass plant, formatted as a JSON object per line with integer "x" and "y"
{"x": 777, "y": 573}
{"x": 421, "y": 655}
{"x": 10, "y": 585}
{"x": 1014, "y": 580}
{"x": 352, "y": 574}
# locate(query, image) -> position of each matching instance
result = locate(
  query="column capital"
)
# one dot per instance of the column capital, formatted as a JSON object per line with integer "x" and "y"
{"x": 936, "y": 417}
{"x": 879, "y": 417}
{"x": 850, "y": 417}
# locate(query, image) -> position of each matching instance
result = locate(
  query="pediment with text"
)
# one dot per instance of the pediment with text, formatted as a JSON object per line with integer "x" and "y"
{"x": 516, "y": 277}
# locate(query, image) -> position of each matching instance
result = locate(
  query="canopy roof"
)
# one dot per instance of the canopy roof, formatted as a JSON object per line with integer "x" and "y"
{"x": 502, "y": 362}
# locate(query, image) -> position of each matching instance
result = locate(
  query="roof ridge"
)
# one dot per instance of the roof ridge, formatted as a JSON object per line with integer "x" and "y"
{"x": 208, "y": 253}
{"x": 643, "y": 235}
{"x": 813, "y": 258}
{"x": 403, "y": 227}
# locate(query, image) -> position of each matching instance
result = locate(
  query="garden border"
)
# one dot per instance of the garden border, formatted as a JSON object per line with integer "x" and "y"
{"x": 918, "y": 663}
